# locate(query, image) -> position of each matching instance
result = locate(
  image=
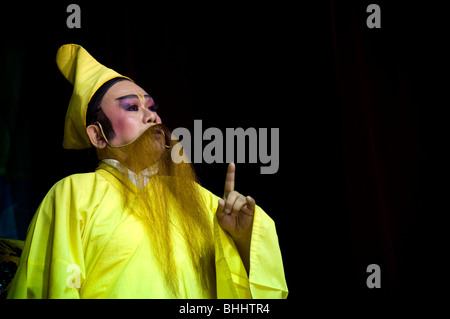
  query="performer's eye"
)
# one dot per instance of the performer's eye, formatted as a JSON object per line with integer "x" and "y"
{"x": 153, "y": 108}
{"x": 132, "y": 108}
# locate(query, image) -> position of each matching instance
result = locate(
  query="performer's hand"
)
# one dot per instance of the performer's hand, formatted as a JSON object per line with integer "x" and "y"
{"x": 235, "y": 211}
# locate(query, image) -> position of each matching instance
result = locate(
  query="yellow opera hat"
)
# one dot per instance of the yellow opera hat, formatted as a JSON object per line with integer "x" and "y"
{"x": 87, "y": 76}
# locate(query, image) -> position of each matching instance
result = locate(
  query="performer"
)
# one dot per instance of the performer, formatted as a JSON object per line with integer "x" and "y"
{"x": 140, "y": 226}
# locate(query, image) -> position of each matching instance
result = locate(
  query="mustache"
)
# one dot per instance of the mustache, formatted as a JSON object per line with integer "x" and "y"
{"x": 153, "y": 145}
{"x": 155, "y": 136}
{"x": 162, "y": 132}
{"x": 158, "y": 130}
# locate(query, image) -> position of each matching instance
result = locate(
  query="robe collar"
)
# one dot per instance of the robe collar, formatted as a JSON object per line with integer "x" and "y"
{"x": 141, "y": 179}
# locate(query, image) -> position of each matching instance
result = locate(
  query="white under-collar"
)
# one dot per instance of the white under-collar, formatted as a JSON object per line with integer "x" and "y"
{"x": 141, "y": 179}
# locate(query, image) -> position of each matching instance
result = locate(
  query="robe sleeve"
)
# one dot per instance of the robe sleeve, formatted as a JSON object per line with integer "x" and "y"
{"x": 266, "y": 279}
{"x": 52, "y": 263}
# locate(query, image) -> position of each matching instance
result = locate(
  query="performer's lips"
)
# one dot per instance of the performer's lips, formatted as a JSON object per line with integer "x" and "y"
{"x": 159, "y": 131}
{"x": 161, "y": 135}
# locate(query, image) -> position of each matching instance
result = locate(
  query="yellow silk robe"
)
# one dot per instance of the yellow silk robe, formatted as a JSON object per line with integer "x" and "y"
{"x": 81, "y": 244}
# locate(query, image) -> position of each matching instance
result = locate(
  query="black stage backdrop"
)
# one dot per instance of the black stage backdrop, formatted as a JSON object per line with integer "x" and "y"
{"x": 357, "y": 111}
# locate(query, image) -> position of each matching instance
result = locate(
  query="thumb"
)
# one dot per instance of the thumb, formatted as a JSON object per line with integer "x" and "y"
{"x": 249, "y": 208}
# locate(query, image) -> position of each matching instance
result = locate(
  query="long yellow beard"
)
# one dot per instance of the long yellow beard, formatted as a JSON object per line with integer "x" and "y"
{"x": 171, "y": 197}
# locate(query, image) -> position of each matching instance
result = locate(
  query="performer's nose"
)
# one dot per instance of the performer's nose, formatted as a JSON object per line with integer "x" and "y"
{"x": 149, "y": 117}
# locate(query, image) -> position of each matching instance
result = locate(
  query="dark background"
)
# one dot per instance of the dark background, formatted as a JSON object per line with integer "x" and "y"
{"x": 358, "y": 111}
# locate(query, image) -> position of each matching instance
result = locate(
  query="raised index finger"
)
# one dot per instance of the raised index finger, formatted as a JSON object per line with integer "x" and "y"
{"x": 229, "y": 180}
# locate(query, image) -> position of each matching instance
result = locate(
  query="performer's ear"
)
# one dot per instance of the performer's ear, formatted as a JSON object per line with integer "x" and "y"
{"x": 95, "y": 136}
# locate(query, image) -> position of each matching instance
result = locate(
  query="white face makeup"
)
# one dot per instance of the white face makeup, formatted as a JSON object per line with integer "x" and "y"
{"x": 130, "y": 110}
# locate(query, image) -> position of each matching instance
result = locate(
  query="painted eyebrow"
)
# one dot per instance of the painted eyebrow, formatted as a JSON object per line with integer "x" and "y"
{"x": 132, "y": 96}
